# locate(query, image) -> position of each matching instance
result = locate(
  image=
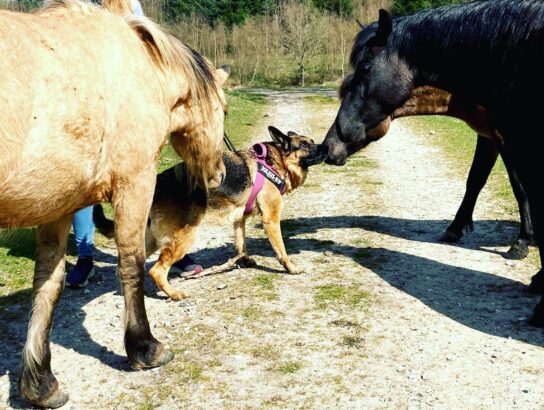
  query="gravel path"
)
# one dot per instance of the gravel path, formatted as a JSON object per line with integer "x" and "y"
{"x": 383, "y": 317}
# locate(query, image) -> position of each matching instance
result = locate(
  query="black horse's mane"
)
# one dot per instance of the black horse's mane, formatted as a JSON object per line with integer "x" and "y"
{"x": 493, "y": 27}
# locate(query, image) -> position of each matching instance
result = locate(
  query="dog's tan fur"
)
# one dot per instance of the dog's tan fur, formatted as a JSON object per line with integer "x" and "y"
{"x": 87, "y": 98}
{"x": 172, "y": 232}
{"x": 173, "y": 222}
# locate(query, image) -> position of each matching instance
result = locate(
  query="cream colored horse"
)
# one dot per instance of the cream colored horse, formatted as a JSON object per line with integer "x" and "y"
{"x": 87, "y": 99}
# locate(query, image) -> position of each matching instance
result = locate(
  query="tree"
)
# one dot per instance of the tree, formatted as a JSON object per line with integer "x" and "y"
{"x": 343, "y": 8}
{"x": 300, "y": 36}
{"x": 230, "y": 12}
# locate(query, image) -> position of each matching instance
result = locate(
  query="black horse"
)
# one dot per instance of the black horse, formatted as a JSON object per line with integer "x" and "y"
{"x": 487, "y": 53}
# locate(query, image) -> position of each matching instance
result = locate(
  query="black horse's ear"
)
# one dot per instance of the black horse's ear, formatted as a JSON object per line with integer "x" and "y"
{"x": 385, "y": 27}
{"x": 279, "y": 137}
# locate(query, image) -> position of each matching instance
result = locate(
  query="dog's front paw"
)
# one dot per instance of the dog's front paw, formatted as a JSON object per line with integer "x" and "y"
{"x": 294, "y": 270}
{"x": 178, "y": 295}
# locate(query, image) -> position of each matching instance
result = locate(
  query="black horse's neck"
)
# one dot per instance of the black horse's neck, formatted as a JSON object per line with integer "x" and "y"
{"x": 472, "y": 49}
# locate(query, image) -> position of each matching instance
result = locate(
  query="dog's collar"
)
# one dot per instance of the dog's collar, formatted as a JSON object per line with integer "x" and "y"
{"x": 263, "y": 171}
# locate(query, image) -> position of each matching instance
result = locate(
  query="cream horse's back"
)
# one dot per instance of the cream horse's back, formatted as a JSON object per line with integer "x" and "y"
{"x": 53, "y": 160}
{"x": 87, "y": 99}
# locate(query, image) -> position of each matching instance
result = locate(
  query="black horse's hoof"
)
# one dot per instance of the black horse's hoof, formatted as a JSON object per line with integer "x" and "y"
{"x": 537, "y": 284}
{"x": 538, "y": 317}
{"x": 519, "y": 250}
{"x": 537, "y": 321}
{"x": 451, "y": 237}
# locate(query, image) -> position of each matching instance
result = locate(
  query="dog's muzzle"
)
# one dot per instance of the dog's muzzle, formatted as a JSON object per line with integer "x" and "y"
{"x": 317, "y": 156}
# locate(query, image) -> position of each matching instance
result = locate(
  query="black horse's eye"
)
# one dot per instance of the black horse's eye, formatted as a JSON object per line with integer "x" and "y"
{"x": 365, "y": 69}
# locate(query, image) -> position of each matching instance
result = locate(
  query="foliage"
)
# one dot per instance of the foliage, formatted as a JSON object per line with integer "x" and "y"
{"x": 403, "y": 7}
{"x": 214, "y": 11}
{"x": 341, "y": 7}
{"x": 19, "y": 5}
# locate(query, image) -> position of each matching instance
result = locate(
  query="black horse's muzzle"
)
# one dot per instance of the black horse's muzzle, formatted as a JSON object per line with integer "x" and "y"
{"x": 337, "y": 154}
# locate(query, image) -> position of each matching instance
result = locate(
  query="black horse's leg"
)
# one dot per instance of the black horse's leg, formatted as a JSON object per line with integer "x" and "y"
{"x": 520, "y": 247}
{"x": 484, "y": 159}
{"x": 524, "y": 154}
{"x": 536, "y": 202}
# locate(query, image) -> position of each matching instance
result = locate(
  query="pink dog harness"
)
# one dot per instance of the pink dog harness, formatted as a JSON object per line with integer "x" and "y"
{"x": 263, "y": 171}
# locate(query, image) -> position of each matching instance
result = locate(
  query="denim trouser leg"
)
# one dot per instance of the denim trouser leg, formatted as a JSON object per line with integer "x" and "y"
{"x": 84, "y": 231}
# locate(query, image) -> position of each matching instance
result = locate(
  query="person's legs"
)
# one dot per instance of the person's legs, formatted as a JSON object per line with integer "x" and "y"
{"x": 84, "y": 238}
{"x": 188, "y": 265}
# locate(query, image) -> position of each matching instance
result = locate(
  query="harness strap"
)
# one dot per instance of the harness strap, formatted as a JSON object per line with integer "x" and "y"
{"x": 263, "y": 171}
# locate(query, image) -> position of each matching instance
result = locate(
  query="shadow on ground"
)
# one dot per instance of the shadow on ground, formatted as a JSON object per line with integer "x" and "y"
{"x": 483, "y": 301}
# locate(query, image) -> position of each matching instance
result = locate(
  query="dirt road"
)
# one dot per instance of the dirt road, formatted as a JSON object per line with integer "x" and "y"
{"x": 383, "y": 317}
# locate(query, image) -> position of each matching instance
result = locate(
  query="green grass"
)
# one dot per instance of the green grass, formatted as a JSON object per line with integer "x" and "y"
{"x": 245, "y": 111}
{"x": 352, "y": 341}
{"x": 333, "y": 295}
{"x": 321, "y": 99}
{"x": 458, "y": 142}
{"x": 17, "y": 246}
{"x": 265, "y": 282}
{"x": 289, "y": 367}
{"x": 358, "y": 162}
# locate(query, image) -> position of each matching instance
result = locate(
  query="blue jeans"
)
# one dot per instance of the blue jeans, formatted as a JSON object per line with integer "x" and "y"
{"x": 84, "y": 231}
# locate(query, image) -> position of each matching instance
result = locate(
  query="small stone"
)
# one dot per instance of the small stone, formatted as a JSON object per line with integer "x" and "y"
{"x": 221, "y": 286}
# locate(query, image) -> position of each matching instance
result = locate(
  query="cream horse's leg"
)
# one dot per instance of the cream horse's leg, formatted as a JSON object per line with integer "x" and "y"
{"x": 37, "y": 383}
{"x": 132, "y": 201}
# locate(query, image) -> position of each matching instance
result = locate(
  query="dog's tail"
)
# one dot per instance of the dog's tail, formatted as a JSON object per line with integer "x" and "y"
{"x": 104, "y": 225}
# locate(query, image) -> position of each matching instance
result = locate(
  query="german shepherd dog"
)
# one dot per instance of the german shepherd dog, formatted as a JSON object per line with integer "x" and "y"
{"x": 179, "y": 207}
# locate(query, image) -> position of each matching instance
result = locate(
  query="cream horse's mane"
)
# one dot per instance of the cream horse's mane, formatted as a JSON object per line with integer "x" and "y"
{"x": 166, "y": 52}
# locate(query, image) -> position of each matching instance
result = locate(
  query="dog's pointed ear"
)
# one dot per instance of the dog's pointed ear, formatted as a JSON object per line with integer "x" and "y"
{"x": 292, "y": 134}
{"x": 280, "y": 137}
